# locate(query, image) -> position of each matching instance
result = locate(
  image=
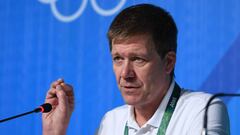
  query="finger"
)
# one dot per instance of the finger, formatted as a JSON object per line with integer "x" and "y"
{"x": 58, "y": 82}
{"x": 68, "y": 89}
{"x": 52, "y": 101}
{"x": 51, "y": 93}
{"x": 62, "y": 97}
{"x": 66, "y": 86}
{"x": 61, "y": 80}
{"x": 59, "y": 87}
{"x": 70, "y": 94}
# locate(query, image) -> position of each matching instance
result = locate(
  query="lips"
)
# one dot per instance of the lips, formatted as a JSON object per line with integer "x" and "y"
{"x": 130, "y": 86}
{"x": 130, "y": 89}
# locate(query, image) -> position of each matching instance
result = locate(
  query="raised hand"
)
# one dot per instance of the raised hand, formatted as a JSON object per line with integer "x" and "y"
{"x": 61, "y": 97}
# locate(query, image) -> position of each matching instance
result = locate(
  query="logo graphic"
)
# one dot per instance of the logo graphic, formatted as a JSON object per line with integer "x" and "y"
{"x": 78, "y": 13}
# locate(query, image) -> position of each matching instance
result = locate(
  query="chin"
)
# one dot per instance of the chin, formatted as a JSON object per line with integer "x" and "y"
{"x": 131, "y": 100}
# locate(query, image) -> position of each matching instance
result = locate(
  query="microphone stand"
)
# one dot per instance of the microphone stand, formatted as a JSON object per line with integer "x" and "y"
{"x": 13, "y": 117}
{"x": 43, "y": 108}
{"x": 204, "y": 131}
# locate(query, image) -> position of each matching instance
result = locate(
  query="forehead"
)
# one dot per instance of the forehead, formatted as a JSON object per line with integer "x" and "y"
{"x": 133, "y": 44}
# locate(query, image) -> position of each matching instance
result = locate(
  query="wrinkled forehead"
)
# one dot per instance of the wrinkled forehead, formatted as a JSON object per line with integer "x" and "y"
{"x": 146, "y": 38}
{"x": 134, "y": 44}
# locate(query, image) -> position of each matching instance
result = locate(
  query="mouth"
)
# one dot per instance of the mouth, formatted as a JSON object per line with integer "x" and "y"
{"x": 130, "y": 89}
{"x": 130, "y": 86}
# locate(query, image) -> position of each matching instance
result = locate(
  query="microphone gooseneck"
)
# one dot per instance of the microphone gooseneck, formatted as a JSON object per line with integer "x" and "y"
{"x": 204, "y": 132}
{"x": 44, "y": 108}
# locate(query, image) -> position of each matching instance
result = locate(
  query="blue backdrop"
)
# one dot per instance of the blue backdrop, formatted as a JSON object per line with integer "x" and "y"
{"x": 43, "y": 40}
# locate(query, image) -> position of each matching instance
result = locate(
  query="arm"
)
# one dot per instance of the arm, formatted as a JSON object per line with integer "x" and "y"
{"x": 61, "y": 96}
{"x": 218, "y": 121}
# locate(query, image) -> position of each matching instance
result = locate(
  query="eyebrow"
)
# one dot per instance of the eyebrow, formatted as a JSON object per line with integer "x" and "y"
{"x": 132, "y": 54}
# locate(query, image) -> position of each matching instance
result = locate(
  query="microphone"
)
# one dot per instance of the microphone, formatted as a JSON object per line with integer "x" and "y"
{"x": 44, "y": 108}
{"x": 204, "y": 131}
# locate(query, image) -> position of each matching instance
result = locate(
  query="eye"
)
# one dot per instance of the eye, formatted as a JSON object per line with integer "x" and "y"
{"x": 139, "y": 61}
{"x": 117, "y": 59}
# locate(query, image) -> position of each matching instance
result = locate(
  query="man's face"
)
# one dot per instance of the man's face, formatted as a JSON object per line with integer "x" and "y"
{"x": 142, "y": 75}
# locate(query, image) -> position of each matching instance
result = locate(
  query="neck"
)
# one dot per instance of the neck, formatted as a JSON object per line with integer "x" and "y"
{"x": 144, "y": 112}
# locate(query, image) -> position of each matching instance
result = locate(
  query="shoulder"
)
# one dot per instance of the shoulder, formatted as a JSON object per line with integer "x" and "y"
{"x": 189, "y": 95}
{"x": 193, "y": 104}
{"x": 191, "y": 108}
{"x": 196, "y": 99}
{"x": 114, "y": 120}
{"x": 117, "y": 114}
{"x": 189, "y": 113}
{"x": 120, "y": 111}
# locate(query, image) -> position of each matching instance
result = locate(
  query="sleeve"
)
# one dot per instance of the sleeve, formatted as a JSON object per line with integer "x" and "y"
{"x": 218, "y": 120}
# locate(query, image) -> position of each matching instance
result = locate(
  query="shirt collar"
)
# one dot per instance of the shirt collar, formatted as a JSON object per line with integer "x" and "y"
{"x": 157, "y": 116}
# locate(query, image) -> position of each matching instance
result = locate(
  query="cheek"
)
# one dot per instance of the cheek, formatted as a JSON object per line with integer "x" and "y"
{"x": 143, "y": 76}
{"x": 150, "y": 76}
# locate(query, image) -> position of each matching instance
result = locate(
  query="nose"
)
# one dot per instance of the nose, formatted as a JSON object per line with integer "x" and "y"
{"x": 127, "y": 71}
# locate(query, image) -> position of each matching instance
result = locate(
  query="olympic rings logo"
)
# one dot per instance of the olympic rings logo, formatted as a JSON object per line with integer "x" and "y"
{"x": 80, "y": 10}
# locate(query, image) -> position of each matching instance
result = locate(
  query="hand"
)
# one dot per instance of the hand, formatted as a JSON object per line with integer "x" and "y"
{"x": 61, "y": 97}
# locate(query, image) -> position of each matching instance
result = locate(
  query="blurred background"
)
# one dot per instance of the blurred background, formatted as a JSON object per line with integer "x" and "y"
{"x": 43, "y": 40}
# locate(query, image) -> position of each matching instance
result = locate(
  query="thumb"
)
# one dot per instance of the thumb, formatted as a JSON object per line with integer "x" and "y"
{"x": 62, "y": 98}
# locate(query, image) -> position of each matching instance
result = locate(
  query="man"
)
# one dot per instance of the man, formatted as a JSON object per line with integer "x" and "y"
{"x": 143, "y": 44}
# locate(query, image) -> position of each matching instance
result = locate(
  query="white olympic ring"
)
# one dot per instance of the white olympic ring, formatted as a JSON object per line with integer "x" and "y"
{"x": 78, "y": 13}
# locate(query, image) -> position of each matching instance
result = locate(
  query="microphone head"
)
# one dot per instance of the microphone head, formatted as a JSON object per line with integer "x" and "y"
{"x": 44, "y": 108}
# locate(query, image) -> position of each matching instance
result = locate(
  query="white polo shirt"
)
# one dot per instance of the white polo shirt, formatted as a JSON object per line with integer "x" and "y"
{"x": 187, "y": 118}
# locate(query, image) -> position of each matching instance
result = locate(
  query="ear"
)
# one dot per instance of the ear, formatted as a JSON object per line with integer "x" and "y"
{"x": 170, "y": 60}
